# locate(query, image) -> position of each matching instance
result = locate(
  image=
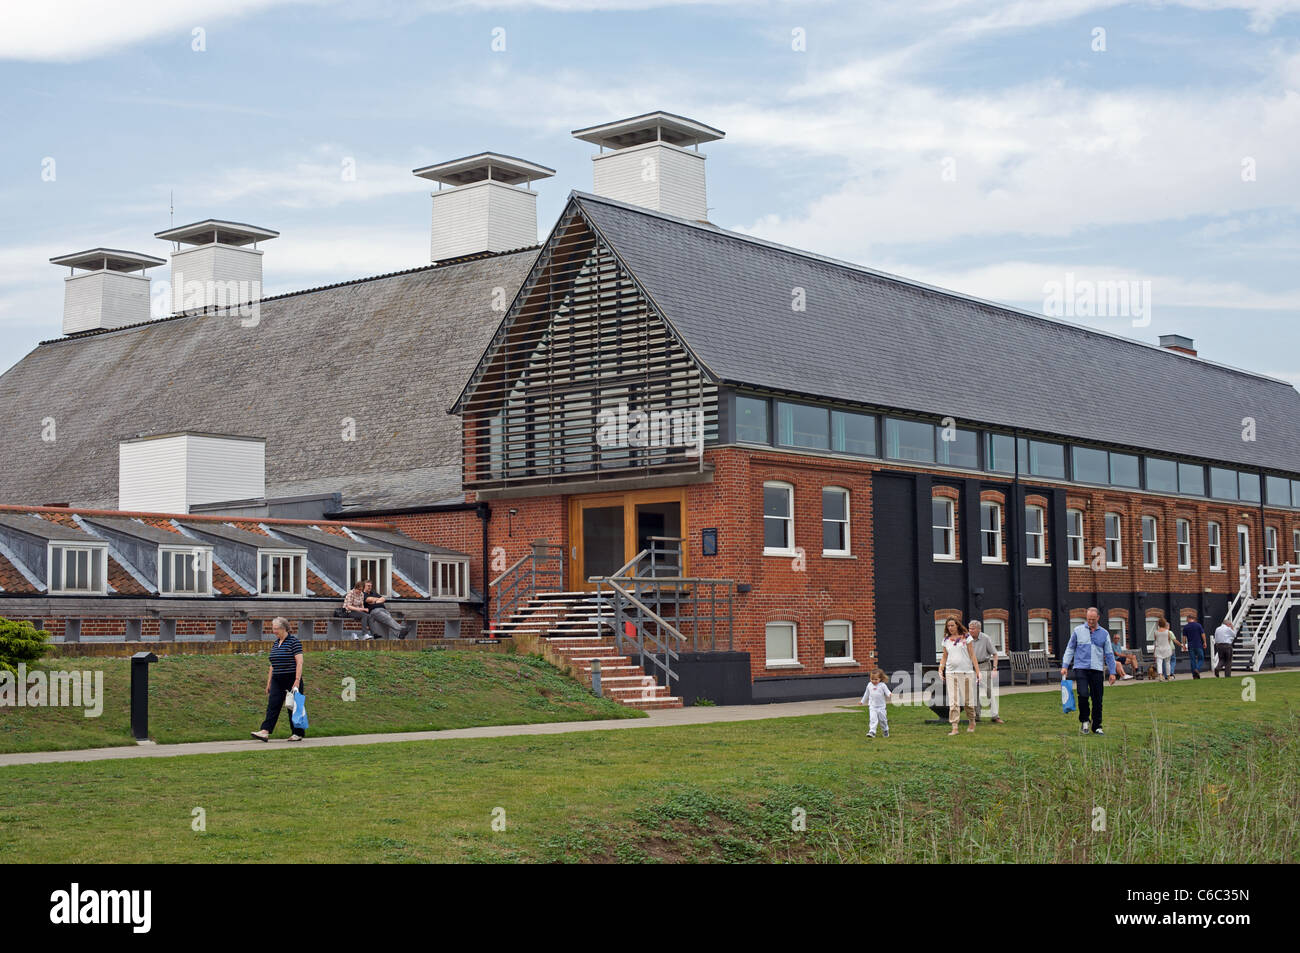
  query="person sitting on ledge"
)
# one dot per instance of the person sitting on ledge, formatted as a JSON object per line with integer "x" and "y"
{"x": 379, "y": 613}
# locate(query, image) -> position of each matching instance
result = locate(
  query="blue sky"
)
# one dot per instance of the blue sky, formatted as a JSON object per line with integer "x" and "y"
{"x": 1116, "y": 164}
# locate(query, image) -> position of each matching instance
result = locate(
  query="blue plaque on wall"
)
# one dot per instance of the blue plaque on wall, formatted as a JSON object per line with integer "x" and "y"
{"x": 709, "y": 541}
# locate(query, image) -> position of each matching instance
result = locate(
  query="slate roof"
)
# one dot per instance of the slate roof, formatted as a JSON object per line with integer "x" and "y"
{"x": 879, "y": 340}
{"x": 390, "y": 352}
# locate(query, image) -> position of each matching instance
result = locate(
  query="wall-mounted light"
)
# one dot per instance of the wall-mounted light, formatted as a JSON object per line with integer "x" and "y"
{"x": 510, "y": 521}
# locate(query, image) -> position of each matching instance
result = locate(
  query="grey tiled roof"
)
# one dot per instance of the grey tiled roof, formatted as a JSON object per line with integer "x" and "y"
{"x": 391, "y": 352}
{"x": 389, "y": 540}
{"x": 879, "y": 340}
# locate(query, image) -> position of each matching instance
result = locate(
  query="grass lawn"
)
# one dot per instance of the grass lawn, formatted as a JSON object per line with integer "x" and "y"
{"x": 215, "y": 697}
{"x": 1188, "y": 772}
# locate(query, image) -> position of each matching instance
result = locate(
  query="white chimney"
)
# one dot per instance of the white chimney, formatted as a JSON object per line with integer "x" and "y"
{"x": 222, "y": 266}
{"x": 654, "y": 161}
{"x": 169, "y": 473}
{"x": 106, "y": 294}
{"x": 486, "y": 206}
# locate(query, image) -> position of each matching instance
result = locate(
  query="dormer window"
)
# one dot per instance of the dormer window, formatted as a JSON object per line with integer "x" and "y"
{"x": 281, "y": 573}
{"x": 78, "y": 570}
{"x": 376, "y": 568}
{"x": 448, "y": 580}
{"x": 185, "y": 572}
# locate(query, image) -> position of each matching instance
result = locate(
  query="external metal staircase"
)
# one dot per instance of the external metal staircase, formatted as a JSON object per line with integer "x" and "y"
{"x": 1257, "y": 617}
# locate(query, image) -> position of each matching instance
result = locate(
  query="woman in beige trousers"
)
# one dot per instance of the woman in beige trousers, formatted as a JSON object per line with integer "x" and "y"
{"x": 961, "y": 676}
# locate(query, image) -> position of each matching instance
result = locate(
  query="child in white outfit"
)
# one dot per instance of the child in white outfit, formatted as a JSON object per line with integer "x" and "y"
{"x": 878, "y": 694}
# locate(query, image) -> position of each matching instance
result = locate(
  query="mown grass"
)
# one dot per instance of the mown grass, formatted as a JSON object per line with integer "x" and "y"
{"x": 1188, "y": 772}
{"x": 215, "y": 697}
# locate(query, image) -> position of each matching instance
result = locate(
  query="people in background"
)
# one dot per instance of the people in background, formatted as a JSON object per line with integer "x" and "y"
{"x": 354, "y": 603}
{"x": 1089, "y": 654}
{"x": 379, "y": 612}
{"x": 1194, "y": 639}
{"x": 1223, "y": 638}
{"x": 1125, "y": 662}
{"x": 284, "y": 676}
{"x": 986, "y": 657}
{"x": 957, "y": 670}
{"x": 1165, "y": 645}
{"x": 877, "y": 696}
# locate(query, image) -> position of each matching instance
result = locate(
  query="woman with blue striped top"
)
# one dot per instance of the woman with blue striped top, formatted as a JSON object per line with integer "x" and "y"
{"x": 283, "y": 677}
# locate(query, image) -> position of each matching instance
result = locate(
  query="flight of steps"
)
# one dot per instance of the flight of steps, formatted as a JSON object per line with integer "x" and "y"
{"x": 567, "y": 627}
{"x": 1243, "y": 650}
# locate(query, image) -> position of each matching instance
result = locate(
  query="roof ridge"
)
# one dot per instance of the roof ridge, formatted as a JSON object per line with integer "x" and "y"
{"x": 195, "y": 517}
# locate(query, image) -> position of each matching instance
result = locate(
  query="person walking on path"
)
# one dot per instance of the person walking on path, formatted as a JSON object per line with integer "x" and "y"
{"x": 877, "y": 694}
{"x": 986, "y": 657}
{"x": 1165, "y": 644}
{"x": 1194, "y": 639}
{"x": 1091, "y": 654}
{"x": 1223, "y": 639}
{"x": 957, "y": 670}
{"x": 284, "y": 676}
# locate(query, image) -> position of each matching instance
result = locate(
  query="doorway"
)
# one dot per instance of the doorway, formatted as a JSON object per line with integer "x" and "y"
{"x": 1243, "y": 554}
{"x": 608, "y": 529}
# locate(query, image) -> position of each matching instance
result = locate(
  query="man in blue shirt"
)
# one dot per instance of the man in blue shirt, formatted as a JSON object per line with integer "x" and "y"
{"x": 1090, "y": 651}
{"x": 1194, "y": 636}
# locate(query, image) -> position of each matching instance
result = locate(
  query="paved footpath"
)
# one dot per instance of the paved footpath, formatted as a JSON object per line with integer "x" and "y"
{"x": 697, "y": 715}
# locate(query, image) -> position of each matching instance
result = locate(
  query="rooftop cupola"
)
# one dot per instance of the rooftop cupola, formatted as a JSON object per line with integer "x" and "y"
{"x": 483, "y": 204}
{"x": 653, "y": 161}
{"x": 215, "y": 263}
{"x": 106, "y": 288}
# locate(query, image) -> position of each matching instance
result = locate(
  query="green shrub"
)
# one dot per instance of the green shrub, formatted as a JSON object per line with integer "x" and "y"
{"x": 21, "y": 642}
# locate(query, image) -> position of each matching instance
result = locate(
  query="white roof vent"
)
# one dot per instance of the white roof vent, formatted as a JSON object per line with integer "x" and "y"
{"x": 483, "y": 204}
{"x": 221, "y": 267}
{"x": 654, "y": 161}
{"x": 172, "y": 472}
{"x": 107, "y": 293}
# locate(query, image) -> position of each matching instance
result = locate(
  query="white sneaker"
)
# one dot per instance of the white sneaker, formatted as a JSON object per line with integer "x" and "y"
{"x": 295, "y": 738}
{"x": 367, "y": 638}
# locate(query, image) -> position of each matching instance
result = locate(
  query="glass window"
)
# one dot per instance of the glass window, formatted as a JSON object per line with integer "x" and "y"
{"x": 939, "y": 626}
{"x": 1116, "y": 624}
{"x": 1191, "y": 479}
{"x": 1223, "y": 483}
{"x": 1214, "y": 537}
{"x": 751, "y": 420}
{"x": 1278, "y": 490}
{"x": 1184, "y": 544}
{"x": 184, "y": 572}
{"x": 374, "y": 568}
{"x": 1151, "y": 632}
{"x": 837, "y": 637}
{"x": 1038, "y": 635}
{"x": 1295, "y": 547}
{"x": 799, "y": 425}
{"x": 1114, "y": 540}
{"x": 282, "y": 574}
{"x": 909, "y": 440}
{"x": 962, "y": 451}
{"x": 1035, "y": 535}
{"x": 1248, "y": 487}
{"x": 1000, "y": 452}
{"x": 781, "y": 643}
{"x": 991, "y": 532}
{"x": 449, "y": 580}
{"x": 1162, "y": 475}
{"x": 1124, "y": 470}
{"x": 1044, "y": 459}
{"x": 1074, "y": 536}
{"x": 835, "y": 520}
{"x": 1090, "y": 465}
{"x": 997, "y": 631}
{"x": 1270, "y": 546}
{"x": 945, "y": 542}
{"x": 77, "y": 569}
{"x": 1295, "y": 492}
{"x": 853, "y": 433}
{"x": 1150, "y": 543}
{"x": 778, "y": 517}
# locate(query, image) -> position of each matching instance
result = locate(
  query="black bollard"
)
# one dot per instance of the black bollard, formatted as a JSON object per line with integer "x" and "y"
{"x": 140, "y": 662}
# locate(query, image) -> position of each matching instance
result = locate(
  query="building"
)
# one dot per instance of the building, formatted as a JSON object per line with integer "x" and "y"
{"x": 850, "y": 457}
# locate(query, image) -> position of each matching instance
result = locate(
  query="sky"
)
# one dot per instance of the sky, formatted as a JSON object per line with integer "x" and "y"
{"x": 1007, "y": 149}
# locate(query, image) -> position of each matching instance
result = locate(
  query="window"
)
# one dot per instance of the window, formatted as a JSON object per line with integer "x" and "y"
{"x": 1035, "y": 535}
{"x": 1124, "y": 470}
{"x": 835, "y": 521}
{"x": 997, "y": 631}
{"x": 751, "y": 420}
{"x": 1214, "y": 535}
{"x": 837, "y": 636}
{"x": 282, "y": 573}
{"x": 1090, "y": 466}
{"x": 1076, "y": 621}
{"x": 1270, "y": 546}
{"x": 1184, "y": 529}
{"x": 1243, "y": 548}
{"x": 1116, "y": 624}
{"x": 185, "y": 572}
{"x": 1114, "y": 541}
{"x": 1074, "y": 536}
{"x": 853, "y": 433}
{"x": 945, "y": 540}
{"x": 939, "y": 626}
{"x": 448, "y": 579}
{"x": 1151, "y": 632}
{"x": 1248, "y": 487}
{"x": 961, "y": 451}
{"x": 1038, "y": 635}
{"x": 78, "y": 569}
{"x": 991, "y": 532}
{"x": 1278, "y": 490}
{"x": 1000, "y": 452}
{"x": 1040, "y": 458}
{"x": 781, "y": 644}
{"x": 1191, "y": 479}
{"x": 374, "y": 568}
{"x": 778, "y": 518}
{"x": 909, "y": 440}
{"x": 1295, "y": 547}
{"x": 1295, "y": 492}
{"x": 799, "y": 425}
{"x": 1223, "y": 483}
{"x": 1150, "y": 543}
{"x": 1162, "y": 475}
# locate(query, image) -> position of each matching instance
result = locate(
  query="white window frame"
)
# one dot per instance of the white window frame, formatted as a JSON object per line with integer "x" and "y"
{"x": 385, "y": 573}
{"x": 848, "y": 658}
{"x": 1000, "y": 640}
{"x": 940, "y": 625}
{"x": 1074, "y": 540}
{"x": 96, "y": 567}
{"x": 1036, "y": 542}
{"x": 301, "y": 573}
{"x": 460, "y": 584}
{"x": 1214, "y": 544}
{"x": 1151, "y": 547}
{"x": 794, "y": 645}
{"x": 949, "y": 530}
{"x": 1111, "y": 626}
{"x": 1295, "y": 546}
{"x": 1183, "y": 529}
{"x": 846, "y": 522}
{"x": 1270, "y": 545}
{"x": 1117, "y": 539}
{"x": 1243, "y": 551}
{"x": 995, "y": 533}
{"x": 1152, "y": 622}
{"x": 201, "y": 553}
{"x": 788, "y": 519}
{"x": 1029, "y": 634}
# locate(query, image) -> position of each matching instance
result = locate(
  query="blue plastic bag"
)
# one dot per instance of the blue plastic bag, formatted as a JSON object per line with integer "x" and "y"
{"x": 1067, "y": 696}
{"x": 299, "y": 718}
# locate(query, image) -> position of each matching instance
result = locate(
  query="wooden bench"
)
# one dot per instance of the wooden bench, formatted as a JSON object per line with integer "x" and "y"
{"x": 1031, "y": 662}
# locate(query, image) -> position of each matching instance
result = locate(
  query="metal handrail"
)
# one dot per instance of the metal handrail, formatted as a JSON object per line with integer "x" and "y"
{"x": 1278, "y": 603}
{"x": 518, "y": 562}
{"x": 643, "y": 633}
{"x": 516, "y": 585}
